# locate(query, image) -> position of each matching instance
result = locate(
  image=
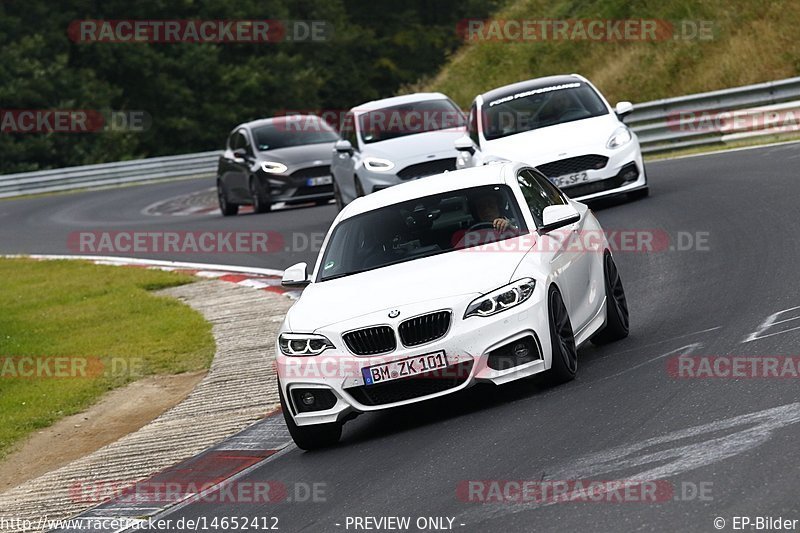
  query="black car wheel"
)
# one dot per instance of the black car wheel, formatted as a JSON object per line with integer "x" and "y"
{"x": 228, "y": 209}
{"x": 359, "y": 188}
{"x": 564, "y": 365}
{"x": 617, "y": 320}
{"x": 337, "y": 195}
{"x": 261, "y": 203}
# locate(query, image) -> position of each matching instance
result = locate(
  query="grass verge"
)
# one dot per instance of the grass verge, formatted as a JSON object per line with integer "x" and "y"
{"x": 753, "y": 41}
{"x": 71, "y": 331}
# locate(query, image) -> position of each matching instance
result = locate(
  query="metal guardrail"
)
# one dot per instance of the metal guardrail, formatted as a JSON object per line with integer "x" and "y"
{"x": 715, "y": 117}
{"x": 202, "y": 164}
{"x": 661, "y": 125}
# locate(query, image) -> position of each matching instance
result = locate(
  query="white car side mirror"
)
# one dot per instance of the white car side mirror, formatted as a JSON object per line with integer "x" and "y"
{"x": 465, "y": 144}
{"x": 343, "y": 147}
{"x": 296, "y": 276}
{"x": 558, "y": 216}
{"x": 623, "y": 108}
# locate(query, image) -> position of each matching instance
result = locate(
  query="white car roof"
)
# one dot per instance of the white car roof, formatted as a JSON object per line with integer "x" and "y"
{"x": 495, "y": 173}
{"x": 396, "y": 100}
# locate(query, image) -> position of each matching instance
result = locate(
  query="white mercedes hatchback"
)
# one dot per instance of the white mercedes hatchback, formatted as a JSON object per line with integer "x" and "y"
{"x": 489, "y": 274}
{"x": 564, "y": 127}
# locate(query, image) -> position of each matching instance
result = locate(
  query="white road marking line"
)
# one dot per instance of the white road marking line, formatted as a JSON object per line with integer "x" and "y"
{"x": 771, "y": 321}
{"x": 750, "y": 431}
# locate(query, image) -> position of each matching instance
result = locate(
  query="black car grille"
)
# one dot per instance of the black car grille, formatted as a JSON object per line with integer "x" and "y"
{"x": 370, "y": 341}
{"x": 428, "y": 168}
{"x": 585, "y": 189}
{"x": 399, "y": 390}
{"x": 312, "y": 172}
{"x": 572, "y": 165}
{"x": 425, "y": 328}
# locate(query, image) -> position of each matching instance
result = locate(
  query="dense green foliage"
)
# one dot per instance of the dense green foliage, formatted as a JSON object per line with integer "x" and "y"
{"x": 195, "y": 93}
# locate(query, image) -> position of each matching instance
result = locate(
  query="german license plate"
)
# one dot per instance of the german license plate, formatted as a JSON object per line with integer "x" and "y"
{"x": 322, "y": 180}
{"x": 571, "y": 179}
{"x": 404, "y": 368}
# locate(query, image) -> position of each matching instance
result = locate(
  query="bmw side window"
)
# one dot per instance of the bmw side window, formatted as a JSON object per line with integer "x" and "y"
{"x": 539, "y": 193}
{"x": 472, "y": 129}
{"x": 232, "y": 141}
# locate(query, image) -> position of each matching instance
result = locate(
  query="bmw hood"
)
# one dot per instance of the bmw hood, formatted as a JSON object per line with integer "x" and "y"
{"x": 552, "y": 143}
{"x": 471, "y": 271}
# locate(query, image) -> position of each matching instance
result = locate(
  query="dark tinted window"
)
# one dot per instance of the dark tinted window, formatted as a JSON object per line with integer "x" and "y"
{"x": 349, "y": 130}
{"x": 240, "y": 141}
{"x": 539, "y": 193}
{"x": 419, "y": 228}
{"x": 473, "y": 124}
{"x": 293, "y": 131}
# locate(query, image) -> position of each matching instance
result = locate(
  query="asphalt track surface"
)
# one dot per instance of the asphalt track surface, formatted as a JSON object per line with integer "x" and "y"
{"x": 624, "y": 417}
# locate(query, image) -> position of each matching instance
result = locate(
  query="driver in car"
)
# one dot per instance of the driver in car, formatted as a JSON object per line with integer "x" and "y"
{"x": 488, "y": 210}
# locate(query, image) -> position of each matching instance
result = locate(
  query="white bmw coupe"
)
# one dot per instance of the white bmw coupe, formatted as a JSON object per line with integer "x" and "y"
{"x": 488, "y": 274}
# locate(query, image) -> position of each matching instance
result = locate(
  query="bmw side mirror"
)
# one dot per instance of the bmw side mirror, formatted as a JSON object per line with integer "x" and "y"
{"x": 558, "y": 216}
{"x": 465, "y": 144}
{"x": 623, "y": 108}
{"x": 296, "y": 276}
{"x": 343, "y": 147}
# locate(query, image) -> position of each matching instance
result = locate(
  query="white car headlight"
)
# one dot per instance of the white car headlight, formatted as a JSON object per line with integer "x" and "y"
{"x": 303, "y": 344}
{"x": 376, "y": 164}
{"x": 501, "y": 299}
{"x": 621, "y": 135}
{"x": 273, "y": 167}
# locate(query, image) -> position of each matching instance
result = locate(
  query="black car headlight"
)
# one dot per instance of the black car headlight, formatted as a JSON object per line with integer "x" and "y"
{"x": 501, "y": 299}
{"x": 303, "y": 344}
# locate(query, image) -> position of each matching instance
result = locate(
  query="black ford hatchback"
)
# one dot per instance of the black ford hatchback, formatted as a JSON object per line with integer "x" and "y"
{"x": 280, "y": 159}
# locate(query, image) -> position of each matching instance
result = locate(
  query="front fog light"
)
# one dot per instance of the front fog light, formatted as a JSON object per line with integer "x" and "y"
{"x": 308, "y": 398}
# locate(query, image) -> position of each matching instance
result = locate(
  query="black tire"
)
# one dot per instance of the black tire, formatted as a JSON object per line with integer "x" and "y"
{"x": 617, "y": 319}
{"x": 639, "y": 194}
{"x": 226, "y": 208}
{"x": 310, "y": 437}
{"x": 337, "y": 195}
{"x": 564, "y": 365}
{"x": 359, "y": 188}
{"x": 261, "y": 203}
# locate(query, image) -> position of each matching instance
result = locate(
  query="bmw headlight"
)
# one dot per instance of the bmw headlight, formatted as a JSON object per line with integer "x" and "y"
{"x": 621, "y": 135}
{"x": 376, "y": 164}
{"x": 501, "y": 299}
{"x": 303, "y": 344}
{"x": 273, "y": 167}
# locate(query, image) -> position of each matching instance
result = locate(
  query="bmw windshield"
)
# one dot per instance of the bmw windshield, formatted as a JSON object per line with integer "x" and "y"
{"x": 421, "y": 228}
{"x": 539, "y": 108}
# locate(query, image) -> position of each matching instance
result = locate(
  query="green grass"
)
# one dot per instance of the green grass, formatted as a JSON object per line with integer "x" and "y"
{"x": 81, "y": 310}
{"x": 754, "y": 41}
